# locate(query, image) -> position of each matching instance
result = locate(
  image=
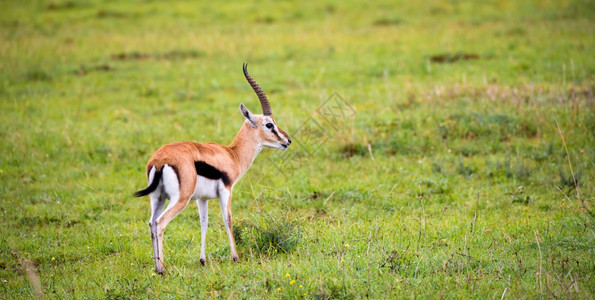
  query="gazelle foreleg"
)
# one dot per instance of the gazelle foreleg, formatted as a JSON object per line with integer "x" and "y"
{"x": 203, "y": 213}
{"x": 225, "y": 202}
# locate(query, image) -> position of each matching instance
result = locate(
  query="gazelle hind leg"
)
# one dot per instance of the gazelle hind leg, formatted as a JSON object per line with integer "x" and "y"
{"x": 203, "y": 213}
{"x": 157, "y": 204}
{"x": 225, "y": 202}
{"x": 179, "y": 196}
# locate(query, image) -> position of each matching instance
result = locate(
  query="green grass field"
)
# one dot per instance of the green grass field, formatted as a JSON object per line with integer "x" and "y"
{"x": 441, "y": 149}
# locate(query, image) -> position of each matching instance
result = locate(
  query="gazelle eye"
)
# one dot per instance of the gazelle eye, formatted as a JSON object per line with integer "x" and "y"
{"x": 269, "y": 125}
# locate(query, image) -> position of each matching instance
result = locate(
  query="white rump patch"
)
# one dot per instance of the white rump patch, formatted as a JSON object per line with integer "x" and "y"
{"x": 171, "y": 185}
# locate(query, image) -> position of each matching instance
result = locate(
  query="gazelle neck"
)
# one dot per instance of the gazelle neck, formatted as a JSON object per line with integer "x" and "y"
{"x": 246, "y": 146}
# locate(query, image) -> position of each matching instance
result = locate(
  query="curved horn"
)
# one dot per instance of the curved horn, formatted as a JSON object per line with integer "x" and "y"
{"x": 264, "y": 102}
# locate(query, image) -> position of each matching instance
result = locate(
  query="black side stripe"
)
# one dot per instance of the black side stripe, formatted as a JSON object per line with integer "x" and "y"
{"x": 205, "y": 170}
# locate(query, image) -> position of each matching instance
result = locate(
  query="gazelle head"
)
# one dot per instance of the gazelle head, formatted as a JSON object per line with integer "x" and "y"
{"x": 267, "y": 131}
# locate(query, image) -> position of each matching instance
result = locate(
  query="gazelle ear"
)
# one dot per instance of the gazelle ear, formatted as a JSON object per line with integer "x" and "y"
{"x": 248, "y": 115}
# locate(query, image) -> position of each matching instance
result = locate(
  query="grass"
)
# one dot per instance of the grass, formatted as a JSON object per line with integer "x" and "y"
{"x": 460, "y": 163}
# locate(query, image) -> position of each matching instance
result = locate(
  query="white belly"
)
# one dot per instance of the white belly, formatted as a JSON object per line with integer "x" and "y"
{"x": 207, "y": 188}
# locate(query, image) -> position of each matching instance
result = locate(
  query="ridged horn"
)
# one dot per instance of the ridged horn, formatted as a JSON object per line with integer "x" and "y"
{"x": 264, "y": 102}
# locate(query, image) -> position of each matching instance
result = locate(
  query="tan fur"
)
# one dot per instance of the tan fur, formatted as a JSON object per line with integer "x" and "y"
{"x": 234, "y": 159}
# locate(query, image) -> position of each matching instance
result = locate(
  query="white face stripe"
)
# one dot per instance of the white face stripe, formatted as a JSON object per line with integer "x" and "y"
{"x": 275, "y": 130}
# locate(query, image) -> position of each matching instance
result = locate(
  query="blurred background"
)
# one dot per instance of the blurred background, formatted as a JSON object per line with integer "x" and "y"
{"x": 449, "y": 110}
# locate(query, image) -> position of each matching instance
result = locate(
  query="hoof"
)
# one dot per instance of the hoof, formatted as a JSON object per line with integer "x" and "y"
{"x": 159, "y": 268}
{"x": 203, "y": 261}
{"x": 235, "y": 259}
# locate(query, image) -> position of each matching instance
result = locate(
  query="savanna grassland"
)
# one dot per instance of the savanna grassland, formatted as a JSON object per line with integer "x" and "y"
{"x": 441, "y": 149}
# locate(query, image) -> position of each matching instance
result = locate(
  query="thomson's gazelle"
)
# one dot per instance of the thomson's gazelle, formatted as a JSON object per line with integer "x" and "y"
{"x": 201, "y": 171}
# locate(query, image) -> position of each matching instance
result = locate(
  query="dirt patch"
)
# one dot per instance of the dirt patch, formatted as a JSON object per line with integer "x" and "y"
{"x": 265, "y": 20}
{"x": 388, "y": 22}
{"x": 38, "y": 75}
{"x": 83, "y": 70}
{"x": 447, "y": 58}
{"x": 103, "y": 14}
{"x": 353, "y": 149}
{"x": 170, "y": 55}
{"x": 130, "y": 56}
{"x": 62, "y": 5}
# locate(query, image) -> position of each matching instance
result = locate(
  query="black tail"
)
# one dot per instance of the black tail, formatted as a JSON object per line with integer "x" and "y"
{"x": 151, "y": 187}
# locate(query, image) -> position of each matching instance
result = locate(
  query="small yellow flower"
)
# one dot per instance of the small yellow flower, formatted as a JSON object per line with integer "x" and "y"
{"x": 292, "y": 282}
{"x": 278, "y": 289}
{"x": 346, "y": 245}
{"x": 301, "y": 286}
{"x": 342, "y": 260}
{"x": 287, "y": 275}
{"x": 53, "y": 258}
